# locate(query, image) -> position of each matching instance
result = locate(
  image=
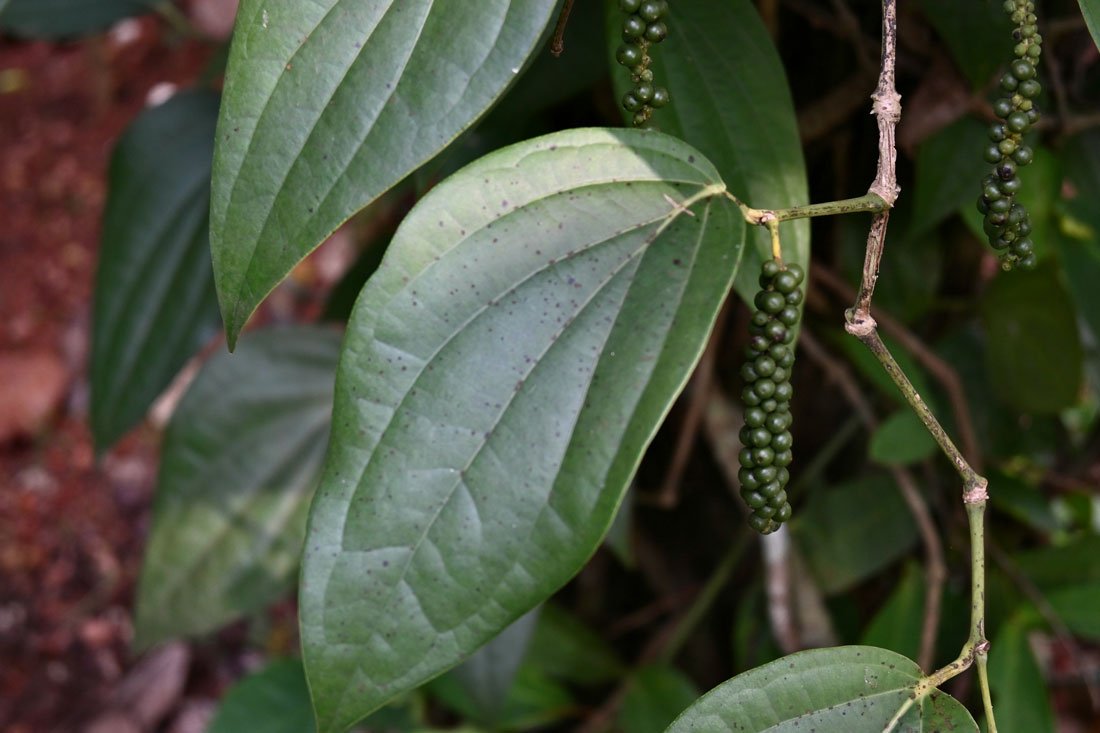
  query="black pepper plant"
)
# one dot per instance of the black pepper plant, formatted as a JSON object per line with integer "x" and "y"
{"x": 465, "y": 445}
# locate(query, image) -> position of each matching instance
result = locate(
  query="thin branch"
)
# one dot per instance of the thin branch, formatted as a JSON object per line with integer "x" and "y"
{"x": 943, "y": 372}
{"x": 860, "y": 323}
{"x": 936, "y": 566}
{"x": 557, "y": 45}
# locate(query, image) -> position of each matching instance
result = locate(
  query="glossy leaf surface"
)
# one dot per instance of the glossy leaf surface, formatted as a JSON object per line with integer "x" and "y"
{"x": 154, "y": 290}
{"x": 328, "y": 104}
{"x": 504, "y": 370}
{"x": 240, "y": 460}
{"x": 854, "y": 689}
{"x": 737, "y": 109}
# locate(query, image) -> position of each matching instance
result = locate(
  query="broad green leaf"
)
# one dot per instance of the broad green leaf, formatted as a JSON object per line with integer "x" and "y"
{"x": 978, "y": 33}
{"x": 240, "y": 460}
{"x": 330, "y": 103}
{"x": 1020, "y": 696}
{"x": 273, "y": 700}
{"x": 485, "y": 679}
{"x": 854, "y": 689}
{"x": 897, "y": 625}
{"x": 1034, "y": 357}
{"x": 64, "y": 18}
{"x": 154, "y": 290}
{"x": 655, "y": 696}
{"x": 901, "y": 440}
{"x": 1091, "y": 10}
{"x": 852, "y": 531}
{"x": 564, "y": 648}
{"x": 949, "y": 172}
{"x": 731, "y": 100}
{"x": 503, "y": 371}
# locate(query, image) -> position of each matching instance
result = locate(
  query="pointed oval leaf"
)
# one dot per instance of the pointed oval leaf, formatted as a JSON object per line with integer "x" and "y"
{"x": 240, "y": 461}
{"x": 730, "y": 99}
{"x": 504, "y": 370}
{"x": 849, "y": 689}
{"x": 330, "y": 103}
{"x": 154, "y": 290}
{"x": 64, "y": 18}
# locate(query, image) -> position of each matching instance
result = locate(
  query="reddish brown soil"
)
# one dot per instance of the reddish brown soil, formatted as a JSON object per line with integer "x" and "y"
{"x": 71, "y": 529}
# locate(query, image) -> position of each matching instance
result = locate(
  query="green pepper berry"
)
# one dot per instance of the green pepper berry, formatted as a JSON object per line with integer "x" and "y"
{"x": 1022, "y": 69}
{"x": 660, "y": 97}
{"x": 1023, "y": 155}
{"x": 630, "y": 6}
{"x": 631, "y": 103}
{"x": 656, "y": 32}
{"x": 1016, "y": 122}
{"x": 629, "y": 54}
{"x": 650, "y": 10}
{"x": 1002, "y": 107}
{"x": 633, "y": 28}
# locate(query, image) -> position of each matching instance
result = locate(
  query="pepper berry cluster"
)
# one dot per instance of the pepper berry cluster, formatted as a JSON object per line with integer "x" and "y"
{"x": 643, "y": 27}
{"x": 1007, "y": 224}
{"x": 767, "y": 397}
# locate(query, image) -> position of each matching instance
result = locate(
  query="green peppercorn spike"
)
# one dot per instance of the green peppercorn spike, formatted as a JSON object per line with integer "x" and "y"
{"x": 1006, "y": 222}
{"x": 766, "y": 436}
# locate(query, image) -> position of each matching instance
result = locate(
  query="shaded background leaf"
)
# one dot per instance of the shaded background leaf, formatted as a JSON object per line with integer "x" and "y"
{"x": 655, "y": 696}
{"x": 273, "y": 700}
{"x": 1034, "y": 358}
{"x": 851, "y": 531}
{"x": 1018, "y": 689}
{"x": 901, "y": 439}
{"x": 65, "y": 18}
{"x": 313, "y": 130}
{"x": 240, "y": 461}
{"x": 978, "y": 33}
{"x": 154, "y": 291}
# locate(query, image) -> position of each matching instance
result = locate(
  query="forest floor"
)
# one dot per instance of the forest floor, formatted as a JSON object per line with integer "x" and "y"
{"x": 72, "y": 526}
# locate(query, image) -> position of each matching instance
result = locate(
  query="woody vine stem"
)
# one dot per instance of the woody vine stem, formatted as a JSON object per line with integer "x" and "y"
{"x": 859, "y": 323}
